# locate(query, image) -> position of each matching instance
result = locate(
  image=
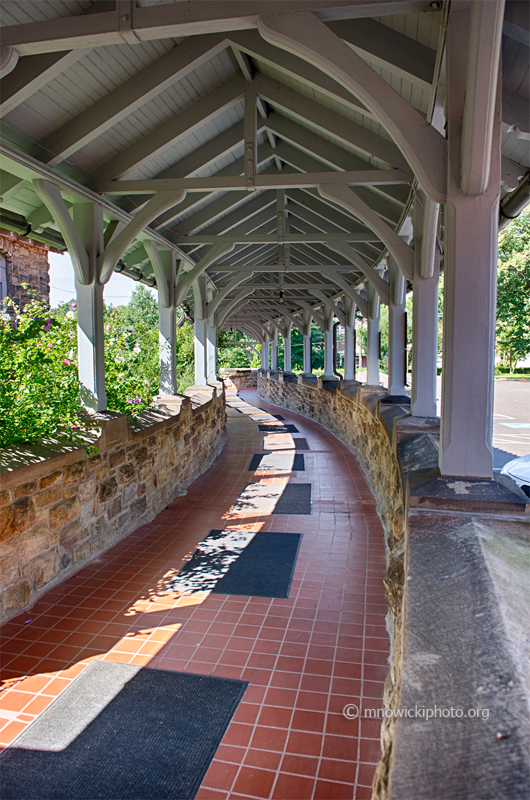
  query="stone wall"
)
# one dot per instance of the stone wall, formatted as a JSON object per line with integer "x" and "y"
{"x": 454, "y": 647}
{"x": 27, "y": 268}
{"x": 240, "y": 378}
{"x": 58, "y": 513}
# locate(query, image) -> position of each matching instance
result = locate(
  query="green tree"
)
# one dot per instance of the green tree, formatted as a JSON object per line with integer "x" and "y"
{"x": 513, "y": 290}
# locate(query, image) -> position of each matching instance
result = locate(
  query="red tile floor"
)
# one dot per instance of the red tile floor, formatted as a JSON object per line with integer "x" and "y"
{"x": 304, "y": 657}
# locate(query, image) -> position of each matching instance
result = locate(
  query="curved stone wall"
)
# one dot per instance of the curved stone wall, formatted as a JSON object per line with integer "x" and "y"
{"x": 452, "y": 652}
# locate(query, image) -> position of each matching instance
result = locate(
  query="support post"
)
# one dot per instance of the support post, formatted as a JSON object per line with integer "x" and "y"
{"x": 211, "y": 352}
{"x": 274, "y": 350}
{"x": 265, "y": 355}
{"x": 470, "y": 254}
{"x": 308, "y": 367}
{"x": 328, "y": 343}
{"x": 167, "y": 327}
{"x": 287, "y": 347}
{"x": 201, "y": 326}
{"x": 88, "y": 221}
{"x": 425, "y": 308}
{"x": 373, "y": 341}
{"x": 397, "y": 331}
{"x": 349, "y": 339}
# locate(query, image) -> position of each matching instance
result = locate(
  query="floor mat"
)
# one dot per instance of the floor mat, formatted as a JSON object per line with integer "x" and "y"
{"x": 265, "y": 568}
{"x": 278, "y": 429}
{"x": 240, "y": 562}
{"x": 280, "y": 462}
{"x": 263, "y": 499}
{"x": 122, "y": 733}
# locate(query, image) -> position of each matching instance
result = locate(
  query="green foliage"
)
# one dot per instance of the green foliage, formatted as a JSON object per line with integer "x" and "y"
{"x": 185, "y": 357}
{"x": 39, "y": 386}
{"x": 513, "y": 291}
{"x": 39, "y": 383}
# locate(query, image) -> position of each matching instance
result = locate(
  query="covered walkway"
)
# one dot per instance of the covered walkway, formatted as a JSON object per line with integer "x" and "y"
{"x": 304, "y": 657}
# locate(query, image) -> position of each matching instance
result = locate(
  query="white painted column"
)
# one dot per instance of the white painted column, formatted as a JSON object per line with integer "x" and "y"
{"x": 349, "y": 339}
{"x": 307, "y": 354}
{"x": 470, "y": 274}
{"x": 328, "y": 343}
{"x": 397, "y": 331}
{"x": 287, "y": 348}
{"x": 349, "y": 353}
{"x": 88, "y": 220}
{"x": 372, "y": 345}
{"x": 425, "y": 344}
{"x": 274, "y": 350}
{"x": 265, "y": 355}
{"x": 167, "y": 329}
{"x": 211, "y": 352}
{"x": 200, "y": 343}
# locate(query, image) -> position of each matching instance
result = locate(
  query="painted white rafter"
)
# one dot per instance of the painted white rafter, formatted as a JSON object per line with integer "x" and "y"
{"x": 117, "y": 247}
{"x": 304, "y": 35}
{"x": 188, "y": 278}
{"x": 50, "y": 195}
{"x": 343, "y": 196}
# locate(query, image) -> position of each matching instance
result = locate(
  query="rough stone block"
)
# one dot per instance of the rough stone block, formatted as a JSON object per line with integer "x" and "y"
{"x": 50, "y": 495}
{"x": 65, "y": 511}
{"x": 81, "y": 553}
{"x": 87, "y": 490}
{"x": 139, "y": 455}
{"x": 6, "y": 497}
{"x": 33, "y": 542}
{"x": 25, "y": 488}
{"x": 102, "y": 473}
{"x": 114, "y": 508}
{"x": 45, "y": 568}
{"x": 125, "y": 473}
{"x": 9, "y": 569}
{"x": 16, "y": 518}
{"x": 50, "y": 479}
{"x": 71, "y": 534}
{"x": 17, "y": 596}
{"x": 75, "y": 472}
{"x": 138, "y": 508}
{"x": 107, "y": 489}
{"x": 117, "y": 458}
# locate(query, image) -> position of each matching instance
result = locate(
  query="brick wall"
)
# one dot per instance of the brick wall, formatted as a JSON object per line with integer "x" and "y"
{"x": 56, "y": 514}
{"x": 27, "y": 263}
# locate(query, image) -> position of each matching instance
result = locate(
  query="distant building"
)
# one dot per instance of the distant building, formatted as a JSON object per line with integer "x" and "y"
{"x": 24, "y": 269}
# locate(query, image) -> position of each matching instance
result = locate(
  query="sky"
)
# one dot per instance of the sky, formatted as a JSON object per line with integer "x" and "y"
{"x": 117, "y": 292}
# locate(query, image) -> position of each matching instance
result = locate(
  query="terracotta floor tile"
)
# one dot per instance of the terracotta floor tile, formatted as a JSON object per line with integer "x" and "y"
{"x": 304, "y": 657}
{"x": 254, "y": 782}
{"x": 294, "y": 787}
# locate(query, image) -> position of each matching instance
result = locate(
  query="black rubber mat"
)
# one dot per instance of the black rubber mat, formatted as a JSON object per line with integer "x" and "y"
{"x": 120, "y": 732}
{"x": 278, "y": 416}
{"x": 278, "y": 461}
{"x": 301, "y": 444}
{"x": 295, "y": 499}
{"x": 278, "y": 429}
{"x": 265, "y": 567}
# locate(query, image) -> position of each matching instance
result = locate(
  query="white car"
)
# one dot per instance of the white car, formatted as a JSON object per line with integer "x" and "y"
{"x": 519, "y": 471}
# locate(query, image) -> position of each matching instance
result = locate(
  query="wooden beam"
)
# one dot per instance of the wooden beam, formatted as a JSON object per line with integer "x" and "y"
{"x": 263, "y": 238}
{"x": 31, "y": 74}
{"x": 331, "y": 122}
{"x": 389, "y": 49}
{"x": 421, "y": 144}
{"x": 183, "y": 123}
{"x": 401, "y": 251}
{"x": 50, "y": 195}
{"x": 178, "y": 20}
{"x": 482, "y": 76}
{"x": 120, "y": 243}
{"x": 187, "y": 278}
{"x": 131, "y": 95}
{"x": 234, "y": 183}
{"x": 252, "y": 43}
